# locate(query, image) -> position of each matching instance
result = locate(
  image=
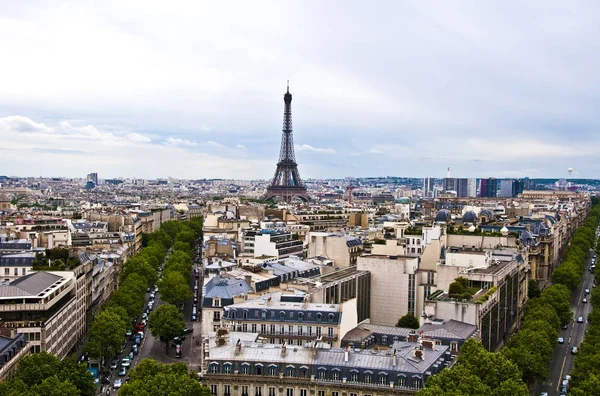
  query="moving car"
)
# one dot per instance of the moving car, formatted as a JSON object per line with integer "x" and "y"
{"x": 561, "y": 340}
{"x": 118, "y": 383}
{"x": 580, "y": 319}
{"x": 584, "y": 301}
{"x": 573, "y": 350}
{"x": 587, "y": 291}
{"x": 123, "y": 371}
{"x": 178, "y": 351}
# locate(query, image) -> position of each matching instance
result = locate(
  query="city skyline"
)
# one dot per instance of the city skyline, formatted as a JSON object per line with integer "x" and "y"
{"x": 398, "y": 89}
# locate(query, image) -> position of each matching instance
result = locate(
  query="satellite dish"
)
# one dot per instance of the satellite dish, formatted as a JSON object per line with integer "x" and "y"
{"x": 570, "y": 171}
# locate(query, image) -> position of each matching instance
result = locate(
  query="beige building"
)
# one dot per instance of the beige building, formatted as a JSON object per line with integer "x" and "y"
{"x": 393, "y": 286}
{"x": 342, "y": 249}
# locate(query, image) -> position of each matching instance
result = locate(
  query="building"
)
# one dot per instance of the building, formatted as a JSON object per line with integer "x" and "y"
{"x": 393, "y": 285}
{"x": 219, "y": 292}
{"x": 342, "y": 249}
{"x": 93, "y": 177}
{"x": 238, "y": 364}
{"x": 15, "y": 265}
{"x": 12, "y": 348}
{"x": 271, "y": 243}
{"x": 488, "y": 188}
{"x": 5, "y": 204}
{"x": 428, "y": 187}
{"x": 48, "y": 308}
{"x": 290, "y": 318}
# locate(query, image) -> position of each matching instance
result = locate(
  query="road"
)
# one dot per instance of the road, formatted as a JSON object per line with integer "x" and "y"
{"x": 562, "y": 361}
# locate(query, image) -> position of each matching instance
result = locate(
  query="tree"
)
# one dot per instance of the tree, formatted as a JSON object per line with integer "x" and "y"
{"x": 173, "y": 288}
{"x": 52, "y": 386}
{"x": 456, "y": 381}
{"x": 531, "y": 352}
{"x": 139, "y": 265}
{"x": 567, "y": 275}
{"x": 152, "y": 378}
{"x": 534, "y": 290}
{"x": 33, "y": 369}
{"x": 106, "y": 335}
{"x": 408, "y": 321}
{"x": 166, "y": 322}
{"x": 558, "y": 296}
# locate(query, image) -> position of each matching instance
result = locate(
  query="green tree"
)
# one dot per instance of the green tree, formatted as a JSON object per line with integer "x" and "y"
{"x": 408, "y": 321}
{"x": 140, "y": 266}
{"x": 456, "y": 381}
{"x": 149, "y": 379}
{"x": 106, "y": 335}
{"x": 52, "y": 386}
{"x": 33, "y": 369}
{"x": 566, "y": 274}
{"x": 558, "y": 296}
{"x": 166, "y": 322}
{"x": 531, "y": 352}
{"x": 534, "y": 290}
{"x": 173, "y": 288}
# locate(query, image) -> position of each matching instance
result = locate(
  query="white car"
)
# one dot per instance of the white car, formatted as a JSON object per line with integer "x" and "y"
{"x": 125, "y": 363}
{"x": 561, "y": 340}
{"x": 580, "y": 319}
{"x": 118, "y": 383}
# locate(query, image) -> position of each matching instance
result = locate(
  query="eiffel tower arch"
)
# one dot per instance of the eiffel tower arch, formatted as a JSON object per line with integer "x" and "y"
{"x": 287, "y": 184}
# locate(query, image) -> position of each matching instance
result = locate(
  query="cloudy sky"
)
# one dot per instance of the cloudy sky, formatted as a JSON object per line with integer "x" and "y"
{"x": 195, "y": 89}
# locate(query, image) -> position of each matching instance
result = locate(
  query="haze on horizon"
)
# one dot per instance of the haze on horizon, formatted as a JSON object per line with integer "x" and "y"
{"x": 194, "y": 89}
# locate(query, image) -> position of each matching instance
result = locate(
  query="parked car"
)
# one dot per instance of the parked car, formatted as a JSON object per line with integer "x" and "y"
{"x": 178, "y": 351}
{"x": 187, "y": 330}
{"x": 118, "y": 383}
{"x": 123, "y": 372}
{"x": 178, "y": 340}
{"x": 584, "y": 301}
{"x": 114, "y": 364}
{"x": 128, "y": 333}
{"x": 574, "y": 350}
{"x": 134, "y": 349}
{"x": 580, "y": 319}
{"x": 561, "y": 340}
{"x": 125, "y": 362}
{"x": 194, "y": 317}
{"x": 586, "y": 291}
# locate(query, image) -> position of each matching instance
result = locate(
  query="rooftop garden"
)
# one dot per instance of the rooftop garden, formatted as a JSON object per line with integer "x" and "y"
{"x": 56, "y": 259}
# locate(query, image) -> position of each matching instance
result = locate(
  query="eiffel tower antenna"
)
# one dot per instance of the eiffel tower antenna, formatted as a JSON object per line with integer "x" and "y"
{"x": 287, "y": 184}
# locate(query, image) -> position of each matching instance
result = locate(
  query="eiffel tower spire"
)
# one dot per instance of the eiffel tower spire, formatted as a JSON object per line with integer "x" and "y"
{"x": 286, "y": 183}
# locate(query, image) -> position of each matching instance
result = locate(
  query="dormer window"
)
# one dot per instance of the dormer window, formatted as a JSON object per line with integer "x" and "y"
{"x": 331, "y": 317}
{"x": 300, "y": 316}
{"x": 319, "y": 315}
{"x": 216, "y": 302}
{"x": 281, "y": 315}
{"x": 263, "y": 314}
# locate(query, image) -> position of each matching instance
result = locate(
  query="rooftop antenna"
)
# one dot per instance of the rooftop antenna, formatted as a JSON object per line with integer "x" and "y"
{"x": 448, "y": 173}
{"x": 288, "y": 86}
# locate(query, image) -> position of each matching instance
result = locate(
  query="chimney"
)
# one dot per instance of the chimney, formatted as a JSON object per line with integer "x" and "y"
{"x": 346, "y": 353}
{"x": 248, "y": 280}
{"x": 269, "y": 300}
{"x": 394, "y": 359}
{"x": 305, "y": 301}
{"x": 283, "y": 349}
{"x": 238, "y": 347}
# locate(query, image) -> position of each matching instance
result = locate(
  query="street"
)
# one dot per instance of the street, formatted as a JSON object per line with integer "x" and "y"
{"x": 562, "y": 362}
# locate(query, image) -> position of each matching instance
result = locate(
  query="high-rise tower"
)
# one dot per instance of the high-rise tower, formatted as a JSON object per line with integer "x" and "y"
{"x": 286, "y": 183}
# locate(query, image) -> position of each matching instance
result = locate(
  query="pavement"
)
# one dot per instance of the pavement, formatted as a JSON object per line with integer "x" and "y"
{"x": 562, "y": 361}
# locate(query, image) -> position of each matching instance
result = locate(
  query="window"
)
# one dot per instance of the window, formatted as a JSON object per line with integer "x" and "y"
{"x": 263, "y": 314}
{"x": 227, "y": 390}
{"x": 368, "y": 378}
{"x": 214, "y": 368}
{"x": 289, "y": 392}
{"x": 334, "y": 393}
{"x": 263, "y": 328}
{"x": 454, "y": 346}
{"x": 289, "y": 371}
{"x": 303, "y": 392}
{"x": 354, "y": 376}
{"x": 416, "y": 382}
{"x": 401, "y": 380}
{"x": 321, "y": 393}
{"x": 233, "y": 314}
{"x": 213, "y": 389}
{"x": 300, "y": 329}
{"x": 216, "y": 316}
{"x": 245, "y": 368}
{"x": 309, "y": 330}
{"x": 281, "y": 315}
{"x": 7, "y": 271}
{"x": 383, "y": 379}
{"x": 318, "y": 331}
{"x": 16, "y": 271}
{"x": 290, "y": 329}
{"x": 244, "y": 390}
{"x": 245, "y": 315}
{"x": 272, "y": 370}
{"x": 253, "y": 327}
{"x": 330, "y": 318}
{"x": 319, "y": 315}
{"x": 330, "y": 332}
{"x": 227, "y": 368}
{"x": 271, "y": 391}
{"x": 322, "y": 373}
{"x": 300, "y": 316}
{"x": 258, "y": 369}
{"x": 335, "y": 375}
{"x": 258, "y": 391}
{"x": 245, "y": 327}
{"x": 418, "y": 241}
{"x": 272, "y": 329}
{"x": 23, "y": 271}
{"x": 216, "y": 302}
{"x": 282, "y": 329}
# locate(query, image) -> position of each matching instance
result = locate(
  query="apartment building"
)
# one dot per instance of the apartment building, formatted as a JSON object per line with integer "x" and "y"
{"x": 343, "y": 250}
{"x": 276, "y": 244}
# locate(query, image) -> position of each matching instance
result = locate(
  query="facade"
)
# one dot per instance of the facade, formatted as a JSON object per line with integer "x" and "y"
{"x": 235, "y": 364}
{"x": 15, "y": 265}
{"x": 428, "y": 187}
{"x": 290, "y": 318}
{"x": 488, "y": 188}
{"x": 220, "y": 292}
{"x": 272, "y": 243}
{"x": 393, "y": 285}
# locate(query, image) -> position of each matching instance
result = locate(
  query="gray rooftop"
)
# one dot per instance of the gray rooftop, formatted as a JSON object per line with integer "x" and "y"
{"x": 226, "y": 287}
{"x": 32, "y": 284}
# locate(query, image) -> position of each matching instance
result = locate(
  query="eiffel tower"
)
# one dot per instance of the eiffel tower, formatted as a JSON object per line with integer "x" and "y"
{"x": 287, "y": 184}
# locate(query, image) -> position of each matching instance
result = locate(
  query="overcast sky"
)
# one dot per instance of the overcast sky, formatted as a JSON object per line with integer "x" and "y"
{"x": 195, "y": 89}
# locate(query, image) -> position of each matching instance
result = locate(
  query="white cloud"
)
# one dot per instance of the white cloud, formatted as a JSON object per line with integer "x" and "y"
{"x": 180, "y": 142}
{"x": 375, "y": 151}
{"x": 136, "y": 137}
{"x": 306, "y": 147}
{"x": 241, "y": 147}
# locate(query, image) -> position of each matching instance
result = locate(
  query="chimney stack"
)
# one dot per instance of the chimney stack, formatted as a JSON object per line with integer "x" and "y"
{"x": 394, "y": 359}
{"x": 347, "y": 353}
{"x": 283, "y": 349}
{"x": 238, "y": 347}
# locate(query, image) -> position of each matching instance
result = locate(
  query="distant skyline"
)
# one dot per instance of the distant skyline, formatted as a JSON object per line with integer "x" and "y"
{"x": 195, "y": 90}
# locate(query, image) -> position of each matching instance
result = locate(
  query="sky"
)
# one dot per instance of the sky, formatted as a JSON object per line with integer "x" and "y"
{"x": 194, "y": 89}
